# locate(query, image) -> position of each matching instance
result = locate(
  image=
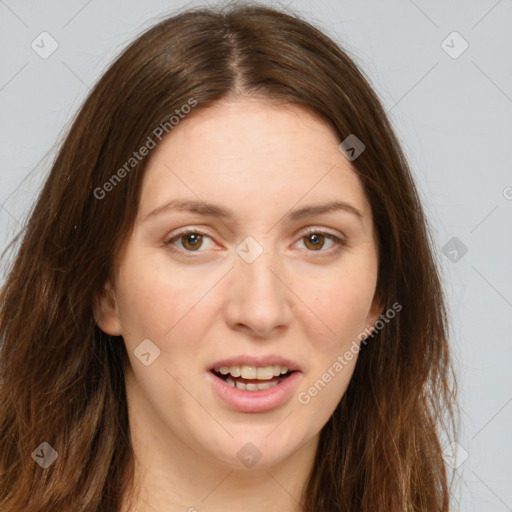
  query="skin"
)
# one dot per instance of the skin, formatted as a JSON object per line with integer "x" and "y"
{"x": 305, "y": 301}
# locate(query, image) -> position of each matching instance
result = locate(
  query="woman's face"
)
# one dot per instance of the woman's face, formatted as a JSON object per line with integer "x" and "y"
{"x": 257, "y": 282}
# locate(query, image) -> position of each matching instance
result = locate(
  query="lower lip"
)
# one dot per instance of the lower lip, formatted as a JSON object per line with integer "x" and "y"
{"x": 255, "y": 401}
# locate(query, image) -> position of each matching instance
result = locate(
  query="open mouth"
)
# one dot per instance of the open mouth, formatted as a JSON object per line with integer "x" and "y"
{"x": 251, "y": 388}
{"x": 252, "y": 384}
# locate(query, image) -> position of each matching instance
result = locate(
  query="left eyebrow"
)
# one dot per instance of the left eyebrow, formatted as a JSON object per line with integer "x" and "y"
{"x": 310, "y": 210}
{"x": 217, "y": 211}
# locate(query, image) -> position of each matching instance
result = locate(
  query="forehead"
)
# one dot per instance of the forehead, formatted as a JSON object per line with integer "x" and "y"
{"x": 250, "y": 154}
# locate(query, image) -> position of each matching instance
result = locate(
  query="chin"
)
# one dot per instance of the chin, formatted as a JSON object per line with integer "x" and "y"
{"x": 252, "y": 452}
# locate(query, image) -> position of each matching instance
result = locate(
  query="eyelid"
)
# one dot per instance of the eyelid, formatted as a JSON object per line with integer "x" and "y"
{"x": 324, "y": 231}
{"x": 339, "y": 240}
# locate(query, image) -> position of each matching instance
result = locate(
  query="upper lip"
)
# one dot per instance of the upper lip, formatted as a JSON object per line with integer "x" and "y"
{"x": 268, "y": 360}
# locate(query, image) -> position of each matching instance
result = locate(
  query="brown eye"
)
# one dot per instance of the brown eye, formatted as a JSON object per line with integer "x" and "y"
{"x": 314, "y": 241}
{"x": 191, "y": 241}
{"x": 187, "y": 242}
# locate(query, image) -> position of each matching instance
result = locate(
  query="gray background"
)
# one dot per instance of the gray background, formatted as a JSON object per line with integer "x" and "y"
{"x": 453, "y": 116}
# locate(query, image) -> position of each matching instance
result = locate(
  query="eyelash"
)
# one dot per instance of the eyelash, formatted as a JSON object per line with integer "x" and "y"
{"x": 191, "y": 254}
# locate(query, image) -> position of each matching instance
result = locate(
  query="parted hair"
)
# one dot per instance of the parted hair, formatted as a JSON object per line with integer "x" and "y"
{"x": 63, "y": 378}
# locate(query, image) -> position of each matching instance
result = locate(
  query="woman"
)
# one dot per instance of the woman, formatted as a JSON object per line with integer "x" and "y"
{"x": 226, "y": 293}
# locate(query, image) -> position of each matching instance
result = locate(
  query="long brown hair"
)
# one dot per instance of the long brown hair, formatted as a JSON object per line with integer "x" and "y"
{"x": 63, "y": 378}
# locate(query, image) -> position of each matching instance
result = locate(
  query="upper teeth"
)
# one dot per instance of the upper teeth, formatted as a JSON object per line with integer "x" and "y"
{"x": 253, "y": 372}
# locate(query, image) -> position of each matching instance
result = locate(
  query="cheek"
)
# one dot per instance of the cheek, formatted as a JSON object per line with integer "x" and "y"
{"x": 341, "y": 305}
{"x": 155, "y": 302}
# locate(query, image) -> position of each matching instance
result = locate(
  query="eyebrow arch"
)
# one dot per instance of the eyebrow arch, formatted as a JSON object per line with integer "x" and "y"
{"x": 216, "y": 211}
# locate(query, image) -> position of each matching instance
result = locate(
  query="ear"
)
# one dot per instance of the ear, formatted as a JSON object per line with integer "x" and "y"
{"x": 106, "y": 312}
{"x": 374, "y": 314}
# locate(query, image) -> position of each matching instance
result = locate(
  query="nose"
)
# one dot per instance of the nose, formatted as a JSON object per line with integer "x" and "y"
{"x": 258, "y": 297}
